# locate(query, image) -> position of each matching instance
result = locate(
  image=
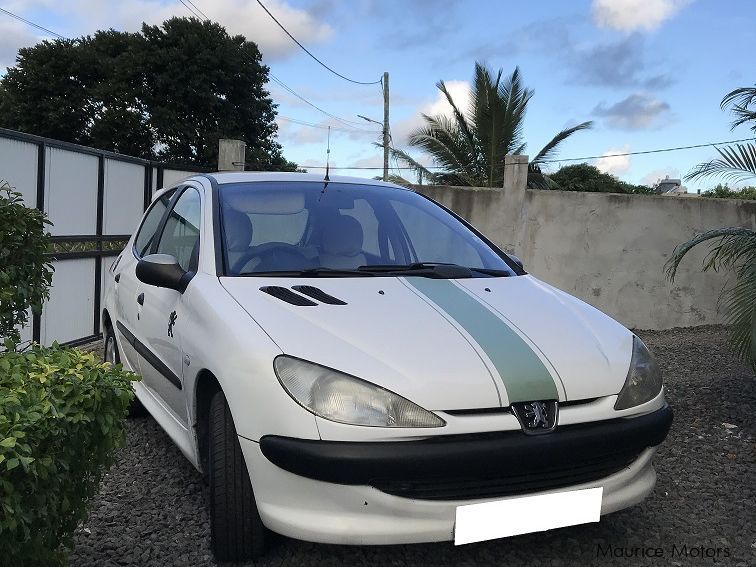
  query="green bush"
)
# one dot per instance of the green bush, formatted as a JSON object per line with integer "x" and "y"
{"x": 586, "y": 177}
{"x": 61, "y": 420}
{"x": 25, "y": 273}
{"x": 724, "y": 192}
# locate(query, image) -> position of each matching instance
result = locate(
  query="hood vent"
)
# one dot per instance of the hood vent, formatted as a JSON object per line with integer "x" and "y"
{"x": 318, "y": 294}
{"x": 287, "y": 295}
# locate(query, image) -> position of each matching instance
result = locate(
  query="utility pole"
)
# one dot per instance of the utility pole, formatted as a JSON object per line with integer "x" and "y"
{"x": 385, "y": 125}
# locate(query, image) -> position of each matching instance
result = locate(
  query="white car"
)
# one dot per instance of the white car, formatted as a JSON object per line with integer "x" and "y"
{"x": 349, "y": 362}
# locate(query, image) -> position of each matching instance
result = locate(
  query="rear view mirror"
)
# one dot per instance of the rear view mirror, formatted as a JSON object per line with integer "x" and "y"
{"x": 162, "y": 270}
{"x": 516, "y": 260}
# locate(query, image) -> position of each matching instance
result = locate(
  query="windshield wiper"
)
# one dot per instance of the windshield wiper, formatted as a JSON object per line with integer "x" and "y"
{"x": 433, "y": 269}
{"x": 308, "y": 272}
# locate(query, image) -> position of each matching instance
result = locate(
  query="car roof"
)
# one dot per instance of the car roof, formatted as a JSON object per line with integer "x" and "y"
{"x": 222, "y": 178}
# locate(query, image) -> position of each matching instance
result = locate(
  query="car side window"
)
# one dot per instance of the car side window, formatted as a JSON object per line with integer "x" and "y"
{"x": 181, "y": 234}
{"x": 147, "y": 231}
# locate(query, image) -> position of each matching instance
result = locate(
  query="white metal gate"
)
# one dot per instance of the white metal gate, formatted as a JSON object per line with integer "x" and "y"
{"x": 94, "y": 199}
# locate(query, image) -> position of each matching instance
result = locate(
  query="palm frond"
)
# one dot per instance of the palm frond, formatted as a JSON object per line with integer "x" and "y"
{"x": 736, "y": 242}
{"x": 737, "y": 163}
{"x": 441, "y": 139}
{"x": 460, "y": 118}
{"x": 550, "y": 149}
{"x": 740, "y": 100}
{"x": 736, "y": 249}
{"x": 740, "y": 305}
{"x": 414, "y": 164}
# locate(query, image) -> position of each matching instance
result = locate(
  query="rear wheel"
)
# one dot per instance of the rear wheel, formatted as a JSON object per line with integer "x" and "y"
{"x": 237, "y": 532}
{"x": 112, "y": 356}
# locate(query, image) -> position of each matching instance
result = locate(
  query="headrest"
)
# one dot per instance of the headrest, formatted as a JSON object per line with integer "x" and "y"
{"x": 238, "y": 230}
{"x": 342, "y": 236}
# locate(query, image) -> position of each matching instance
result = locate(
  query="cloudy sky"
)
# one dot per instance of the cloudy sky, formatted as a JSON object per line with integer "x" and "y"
{"x": 650, "y": 73}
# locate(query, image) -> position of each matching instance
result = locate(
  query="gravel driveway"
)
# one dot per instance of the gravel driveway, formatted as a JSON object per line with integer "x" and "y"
{"x": 151, "y": 509}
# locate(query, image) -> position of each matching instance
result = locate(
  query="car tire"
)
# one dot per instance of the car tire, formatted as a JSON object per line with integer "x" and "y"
{"x": 111, "y": 355}
{"x": 236, "y": 530}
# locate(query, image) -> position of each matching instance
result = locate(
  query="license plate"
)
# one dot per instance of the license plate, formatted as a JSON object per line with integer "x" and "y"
{"x": 504, "y": 518}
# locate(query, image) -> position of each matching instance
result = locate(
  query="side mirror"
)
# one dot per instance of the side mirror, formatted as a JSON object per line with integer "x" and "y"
{"x": 516, "y": 260}
{"x": 162, "y": 270}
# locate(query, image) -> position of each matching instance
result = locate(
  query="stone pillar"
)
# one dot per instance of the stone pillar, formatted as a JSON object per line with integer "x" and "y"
{"x": 231, "y": 155}
{"x": 514, "y": 210}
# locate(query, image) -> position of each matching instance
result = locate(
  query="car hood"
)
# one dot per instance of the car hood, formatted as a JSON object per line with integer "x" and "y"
{"x": 448, "y": 344}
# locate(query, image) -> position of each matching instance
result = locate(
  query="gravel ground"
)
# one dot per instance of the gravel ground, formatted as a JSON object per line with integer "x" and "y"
{"x": 151, "y": 509}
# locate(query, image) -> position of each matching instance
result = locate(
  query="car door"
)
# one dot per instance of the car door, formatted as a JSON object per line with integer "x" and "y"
{"x": 126, "y": 286}
{"x": 161, "y": 311}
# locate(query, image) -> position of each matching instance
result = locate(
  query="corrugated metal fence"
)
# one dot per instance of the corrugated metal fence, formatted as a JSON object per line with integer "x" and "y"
{"x": 95, "y": 199}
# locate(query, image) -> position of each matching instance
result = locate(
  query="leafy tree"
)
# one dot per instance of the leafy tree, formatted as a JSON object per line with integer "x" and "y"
{"x": 169, "y": 92}
{"x": 471, "y": 145}
{"x": 585, "y": 177}
{"x": 725, "y": 192}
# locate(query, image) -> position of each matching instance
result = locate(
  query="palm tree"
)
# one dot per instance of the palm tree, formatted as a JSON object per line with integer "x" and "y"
{"x": 734, "y": 247}
{"x": 470, "y": 146}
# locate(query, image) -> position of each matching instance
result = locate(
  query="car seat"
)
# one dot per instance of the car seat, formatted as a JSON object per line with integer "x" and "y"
{"x": 341, "y": 244}
{"x": 238, "y": 230}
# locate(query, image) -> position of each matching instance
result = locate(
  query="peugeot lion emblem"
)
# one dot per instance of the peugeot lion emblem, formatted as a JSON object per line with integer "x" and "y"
{"x": 536, "y": 417}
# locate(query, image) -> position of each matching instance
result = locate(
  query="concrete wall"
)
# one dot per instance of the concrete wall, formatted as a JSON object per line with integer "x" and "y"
{"x": 607, "y": 249}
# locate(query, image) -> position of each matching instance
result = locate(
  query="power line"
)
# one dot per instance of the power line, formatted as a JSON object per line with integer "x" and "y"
{"x": 303, "y": 99}
{"x": 326, "y": 126}
{"x": 650, "y": 151}
{"x": 660, "y": 150}
{"x": 196, "y": 8}
{"x": 343, "y": 121}
{"x": 191, "y": 11}
{"x": 280, "y": 25}
{"x": 20, "y": 19}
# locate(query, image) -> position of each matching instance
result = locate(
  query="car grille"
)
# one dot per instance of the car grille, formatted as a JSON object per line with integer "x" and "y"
{"x": 531, "y": 478}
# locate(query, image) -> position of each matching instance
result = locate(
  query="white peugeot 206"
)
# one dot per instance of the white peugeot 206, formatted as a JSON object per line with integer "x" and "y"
{"x": 349, "y": 362}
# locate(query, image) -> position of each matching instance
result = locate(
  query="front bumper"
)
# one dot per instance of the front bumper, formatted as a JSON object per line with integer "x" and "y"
{"x": 407, "y": 492}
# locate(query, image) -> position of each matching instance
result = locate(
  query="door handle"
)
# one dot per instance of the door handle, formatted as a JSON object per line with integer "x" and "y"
{"x": 117, "y": 278}
{"x": 140, "y": 299}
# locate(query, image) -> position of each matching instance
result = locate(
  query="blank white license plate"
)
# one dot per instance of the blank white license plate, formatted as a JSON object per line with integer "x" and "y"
{"x": 504, "y": 518}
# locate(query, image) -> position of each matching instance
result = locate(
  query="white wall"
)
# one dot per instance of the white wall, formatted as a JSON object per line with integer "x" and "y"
{"x": 608, "y": 249}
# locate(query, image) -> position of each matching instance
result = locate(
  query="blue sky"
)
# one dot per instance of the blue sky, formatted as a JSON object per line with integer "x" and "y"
{"x": 650, "y": 73}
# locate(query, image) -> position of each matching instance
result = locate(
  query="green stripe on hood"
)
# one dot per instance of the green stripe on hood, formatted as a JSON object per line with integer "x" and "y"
{"x": 524, "y": 375}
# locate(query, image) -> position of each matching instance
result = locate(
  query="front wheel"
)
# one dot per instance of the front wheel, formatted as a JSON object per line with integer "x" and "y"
{"x": 236, "y": 530}
{"x": 112, "y": 356}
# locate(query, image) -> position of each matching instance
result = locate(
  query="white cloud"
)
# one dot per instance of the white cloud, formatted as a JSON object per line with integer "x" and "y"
{"x": 611, "y": 163}
{"x": 244, "y": 17}
{"x": 631, "y": 15}
{"x": 13, "y": 35}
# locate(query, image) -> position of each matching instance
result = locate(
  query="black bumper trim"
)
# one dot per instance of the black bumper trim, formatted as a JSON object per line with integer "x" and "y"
{"x": 484, "y": 455}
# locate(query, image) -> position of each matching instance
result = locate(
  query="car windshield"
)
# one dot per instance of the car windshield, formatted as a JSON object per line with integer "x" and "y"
{"x": 308, "y": 228}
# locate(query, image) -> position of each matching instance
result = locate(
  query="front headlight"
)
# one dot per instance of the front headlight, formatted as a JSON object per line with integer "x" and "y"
{"x": 643, "y": 381}
{"x": 340, "y": 397}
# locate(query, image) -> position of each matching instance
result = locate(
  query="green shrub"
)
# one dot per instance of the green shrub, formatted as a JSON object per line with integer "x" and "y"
{"x": 586, "y": 177}
{"x": 724, "y": 192}
{"x": 25, "y": 273}
{"x": 61, "y": 420}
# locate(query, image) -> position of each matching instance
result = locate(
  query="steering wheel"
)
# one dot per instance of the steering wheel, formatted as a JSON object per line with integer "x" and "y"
{"x": 273, "y": 256}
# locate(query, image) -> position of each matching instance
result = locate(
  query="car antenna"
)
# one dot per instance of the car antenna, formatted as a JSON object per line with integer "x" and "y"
{"x": 328, "y": 163}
